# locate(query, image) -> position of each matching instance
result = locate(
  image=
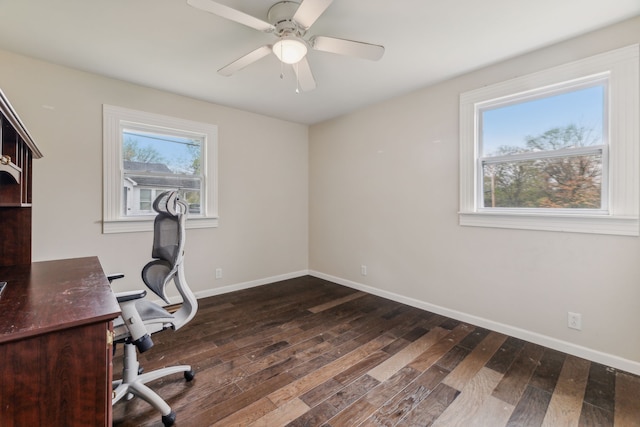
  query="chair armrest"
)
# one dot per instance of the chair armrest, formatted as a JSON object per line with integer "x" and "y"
{"x": 130, "y": 295}
{"x": 112, "y": 277}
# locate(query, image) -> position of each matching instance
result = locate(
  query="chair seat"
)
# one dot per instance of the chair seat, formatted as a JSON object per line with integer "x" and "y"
{"x": 151, "y": 314}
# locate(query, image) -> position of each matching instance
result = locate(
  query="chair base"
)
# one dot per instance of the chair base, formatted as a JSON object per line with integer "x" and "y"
{"x": 133, "y": 383}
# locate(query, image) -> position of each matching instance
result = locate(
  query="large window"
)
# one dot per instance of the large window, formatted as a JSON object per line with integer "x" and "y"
{"x": 146, "y": 154}
{"x": 556, "y": 150}
{"x": 545, "y": 151}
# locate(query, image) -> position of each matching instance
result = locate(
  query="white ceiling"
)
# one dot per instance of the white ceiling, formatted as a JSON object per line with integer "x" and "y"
{"x": 169, "y": 45}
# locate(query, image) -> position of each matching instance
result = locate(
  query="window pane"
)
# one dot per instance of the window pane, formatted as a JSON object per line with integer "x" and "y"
{"x": 145, "y": 200}
{"x": 155, "y": 162}
{"x": 566, "y": 120}
{"x": 166, "y": 154}
{"x": 558, "y": 182}
{"x": 193, "y": 200}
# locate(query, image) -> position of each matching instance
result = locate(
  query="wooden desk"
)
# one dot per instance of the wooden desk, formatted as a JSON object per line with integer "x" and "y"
{"x": 55, "y": 356}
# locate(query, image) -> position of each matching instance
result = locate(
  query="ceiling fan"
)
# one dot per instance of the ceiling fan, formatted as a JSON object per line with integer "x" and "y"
{"x": 289, "y": 21}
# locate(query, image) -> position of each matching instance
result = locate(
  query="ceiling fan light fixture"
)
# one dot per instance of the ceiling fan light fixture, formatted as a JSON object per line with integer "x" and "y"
{"x": 290, "y": 50}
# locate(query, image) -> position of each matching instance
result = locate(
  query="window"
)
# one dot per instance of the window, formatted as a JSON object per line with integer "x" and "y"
{"x": 545, "y": 151}
{"x": 146, "y": 154}
{"x": 556, "y": 150}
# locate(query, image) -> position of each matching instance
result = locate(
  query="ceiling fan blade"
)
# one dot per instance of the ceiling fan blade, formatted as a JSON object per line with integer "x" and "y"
{"x": 347, "y": 47}
{"x": 309, "y": 11}
{"x": 248, "y": 59}
{"x": 232, "y": 14}
{"x": 305, "y": 76}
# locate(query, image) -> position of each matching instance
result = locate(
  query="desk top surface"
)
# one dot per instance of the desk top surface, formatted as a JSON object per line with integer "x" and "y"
{"x": 46, "y": 296}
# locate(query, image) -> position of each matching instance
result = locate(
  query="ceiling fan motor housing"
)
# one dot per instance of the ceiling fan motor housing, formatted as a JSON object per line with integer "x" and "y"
{"x": 281, "y": 16}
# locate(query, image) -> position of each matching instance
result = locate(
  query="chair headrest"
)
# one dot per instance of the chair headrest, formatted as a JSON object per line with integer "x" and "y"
{"x": 167, "y": 203}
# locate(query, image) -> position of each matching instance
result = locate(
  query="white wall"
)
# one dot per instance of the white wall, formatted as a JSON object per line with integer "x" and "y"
{"x": 384, "y": 193}
{"x": 263, "y": 179}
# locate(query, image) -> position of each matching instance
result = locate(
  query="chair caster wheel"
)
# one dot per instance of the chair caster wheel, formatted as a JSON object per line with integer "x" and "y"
{"x": 189, "y": 375}
{"x": 169, "y": 420}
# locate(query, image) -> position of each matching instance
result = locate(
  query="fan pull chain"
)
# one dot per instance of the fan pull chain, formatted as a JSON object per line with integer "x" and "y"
{"x": 281, "y": 64}
{"x": 297, "y": 79}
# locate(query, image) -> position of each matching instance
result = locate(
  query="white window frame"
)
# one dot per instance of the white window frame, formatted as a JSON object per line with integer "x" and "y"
{"x": 115, "y": 120}
{"x": 621, "y": 186}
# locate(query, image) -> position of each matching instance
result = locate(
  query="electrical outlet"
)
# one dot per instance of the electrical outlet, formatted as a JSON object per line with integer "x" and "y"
{"x": 363, "y": 270}
{"x": 574, "y": 321}
{"x": 218, "y": 273}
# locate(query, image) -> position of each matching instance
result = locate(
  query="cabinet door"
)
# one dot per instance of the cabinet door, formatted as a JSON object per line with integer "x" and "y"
{"x": 57, "y": 379}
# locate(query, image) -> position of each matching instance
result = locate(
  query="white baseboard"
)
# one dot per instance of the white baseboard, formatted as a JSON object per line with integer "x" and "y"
{"x": 250, "y": 284}
{"x": 556, "y": 344}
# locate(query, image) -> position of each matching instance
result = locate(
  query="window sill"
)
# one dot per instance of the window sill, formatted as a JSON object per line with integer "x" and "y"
{"x": 146, "y": 224}
{"x": 592, "y": 224}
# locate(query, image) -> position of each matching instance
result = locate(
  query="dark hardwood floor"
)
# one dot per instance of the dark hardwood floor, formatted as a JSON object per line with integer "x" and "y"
{"x": 307, "y": 352}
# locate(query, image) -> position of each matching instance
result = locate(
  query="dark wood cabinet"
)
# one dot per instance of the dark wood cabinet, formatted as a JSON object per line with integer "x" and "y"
{"x": 55, "y": 344}
{"x": 17, "y": 151}
{"x": 56, "y": 317}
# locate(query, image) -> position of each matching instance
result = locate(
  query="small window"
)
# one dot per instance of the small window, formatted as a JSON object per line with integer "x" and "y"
{"x": 556, "y": 150}
{"x": 145, "y": 202}
{"x": 153, "y": 162}
{"x": 146, "y": 154}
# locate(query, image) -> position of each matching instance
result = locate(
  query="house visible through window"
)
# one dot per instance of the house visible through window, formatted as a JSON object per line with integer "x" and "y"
{"x": 155, "y": 162}
{"x": 146, "y": 154}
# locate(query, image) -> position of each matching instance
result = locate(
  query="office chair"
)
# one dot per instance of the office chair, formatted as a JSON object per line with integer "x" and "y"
{"x": 141, "y": 318}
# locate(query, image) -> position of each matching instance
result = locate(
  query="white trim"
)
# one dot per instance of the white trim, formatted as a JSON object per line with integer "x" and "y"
{"x": 237, "y": 287}
{"x": 146, "y": 224}
{"x": 117, "y": 118}
{"x": 534, "y": 337}
{"x": 594, "y": 224}
{"x": 623, "y": 189}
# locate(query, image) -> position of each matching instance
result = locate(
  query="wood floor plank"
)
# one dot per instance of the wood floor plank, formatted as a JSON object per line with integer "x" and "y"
{"x": 546, "y": 374}
{"x": 331, "y": 304}
{"x": 411, "y": 396}
{"x": 353, "y": 415}
{"x": 362, "y": 408}
{"x": 566, "y": 402}
{"x": 453, "y": 358}
{"x": 594, "y": 416}
{"x": 321, "y": 392}
{"x": 471, "y": 341}
{"x": 357, "y": 370}
{"x": 471, "y": 398}
{"x": 389, "y": 367}
{"x": 471, "y": 364}
{"x": 314, "y": 417}
{"x": 429, "y": 409}
{"x": 493, "y": 412}
{"x": 600, "y": 389}
{"x": 247, "y": 415}
{"x": 307, "y": 382}
{"x": 319, "y": 414}
{"x": 531, "y": 408}
{"x": 228, "y": 407}
{"x": 281, "y": 415}
{"x": 504, "y": 357}
{"x": 627, "y": 401}
{"x": 439, "y": 349}
{"x": 352, "y": 392}
{"x": 519, "y": 373}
